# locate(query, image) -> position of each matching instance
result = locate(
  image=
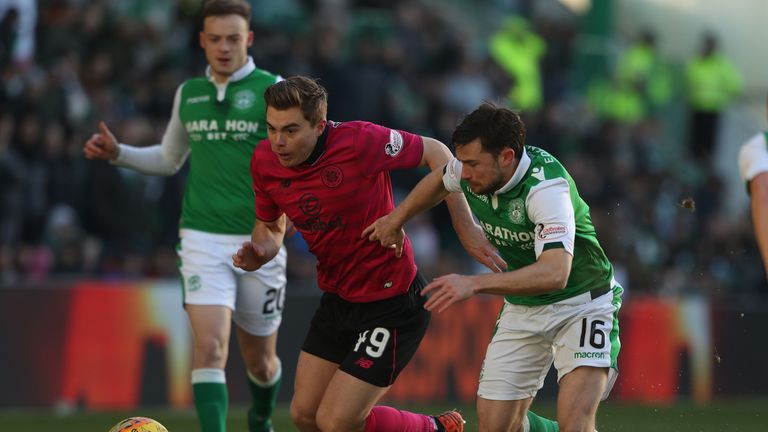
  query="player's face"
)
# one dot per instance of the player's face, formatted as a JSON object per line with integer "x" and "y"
{"x": 225, "y": 39}
{"x": 291, "y": 135}
{"x": 481, "y": 169}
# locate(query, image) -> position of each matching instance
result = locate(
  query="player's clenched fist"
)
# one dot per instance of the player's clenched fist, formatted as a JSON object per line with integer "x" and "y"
{"x": 250, "y": 257}
{"x": 102, "y": 145}
{"x": 387, "y": 232}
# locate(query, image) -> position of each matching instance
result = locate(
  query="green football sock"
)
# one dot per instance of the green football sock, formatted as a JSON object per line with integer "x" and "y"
{"x": 264, "y": 395}
{"x": 209, "y": 388}
{"x": 540, "y": 424}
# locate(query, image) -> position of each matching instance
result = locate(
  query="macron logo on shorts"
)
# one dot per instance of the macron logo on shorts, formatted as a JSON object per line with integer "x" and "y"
{"x": 583, "y": 355}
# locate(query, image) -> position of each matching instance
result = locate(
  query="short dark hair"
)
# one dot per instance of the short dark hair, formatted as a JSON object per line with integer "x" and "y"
{"x": 299, "y": 91}
{"x": 497, "y": 127}
{"x": 227, "y": 7}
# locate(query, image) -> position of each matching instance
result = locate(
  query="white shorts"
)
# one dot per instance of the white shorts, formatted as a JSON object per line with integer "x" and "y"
{"x": 209, "y": 278}
{"x": 578, "y": 331}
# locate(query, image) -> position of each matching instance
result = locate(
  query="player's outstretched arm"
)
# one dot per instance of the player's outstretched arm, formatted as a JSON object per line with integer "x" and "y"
{"x": 163, "y": 159}
{"x": 388, "y": 230}
{"x": 549, "y": 273}
{"x": 471, "y": 236}
{"x": 759, "y": 193}
{"x": 266, "y": 239}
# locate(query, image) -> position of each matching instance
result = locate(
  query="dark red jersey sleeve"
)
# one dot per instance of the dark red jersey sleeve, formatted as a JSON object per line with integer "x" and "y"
{"x": 383, "y": 149}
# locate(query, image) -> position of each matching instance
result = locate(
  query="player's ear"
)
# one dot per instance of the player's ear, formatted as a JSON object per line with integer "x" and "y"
{"x": 507, "y": 156}
{"x": 249, "y": 41}
{"x": 202, "y": 40}
{"x": 320, "y": 126}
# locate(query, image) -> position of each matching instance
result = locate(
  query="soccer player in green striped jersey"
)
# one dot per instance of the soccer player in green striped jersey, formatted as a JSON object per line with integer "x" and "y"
{"x": 217, "y": 121}
{"x": 561, "y": 301}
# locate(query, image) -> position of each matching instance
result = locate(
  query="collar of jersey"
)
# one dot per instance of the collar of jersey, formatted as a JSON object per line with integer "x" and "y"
{"x": 522, "y": 168}
{"x": 319, "y": 148}
{"x": 221, "y": 89}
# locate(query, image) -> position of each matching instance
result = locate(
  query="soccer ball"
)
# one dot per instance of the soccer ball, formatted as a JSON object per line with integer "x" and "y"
{"x": 138, "y": 424}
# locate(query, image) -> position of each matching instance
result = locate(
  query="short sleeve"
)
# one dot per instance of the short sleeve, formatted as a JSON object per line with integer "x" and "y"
{"x": 452, "y": 176}
{"x": 384, "y": 149}
{"x": 753, "y": 157}
{"x": 551, "y": 210}
{"x": 266, "y": 209}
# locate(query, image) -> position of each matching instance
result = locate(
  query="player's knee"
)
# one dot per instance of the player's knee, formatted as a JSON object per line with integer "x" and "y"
{"x": 210, "y": 351}
{"x": 303, "y": 418}
{"x": 262, "y": 366}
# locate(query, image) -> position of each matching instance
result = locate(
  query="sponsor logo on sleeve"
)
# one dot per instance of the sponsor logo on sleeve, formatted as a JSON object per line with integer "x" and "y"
{"x": 395, "y": 144}
{"x": 551, "y": 231}
{"x": 452, "y": 169}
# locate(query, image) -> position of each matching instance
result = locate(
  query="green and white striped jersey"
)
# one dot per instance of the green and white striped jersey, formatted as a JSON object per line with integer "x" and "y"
{"x": 217, "y": 126}
{"x": 538, "y": 209}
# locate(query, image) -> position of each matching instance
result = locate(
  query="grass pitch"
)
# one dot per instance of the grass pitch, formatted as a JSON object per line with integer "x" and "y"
{"x": 748, "y": 415}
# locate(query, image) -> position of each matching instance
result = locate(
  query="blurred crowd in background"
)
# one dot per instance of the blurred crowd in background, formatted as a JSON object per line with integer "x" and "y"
{"x": 638, "y": 136}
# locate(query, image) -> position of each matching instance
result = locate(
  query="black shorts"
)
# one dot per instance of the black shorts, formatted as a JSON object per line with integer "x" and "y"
{"x": 371, "y": 341}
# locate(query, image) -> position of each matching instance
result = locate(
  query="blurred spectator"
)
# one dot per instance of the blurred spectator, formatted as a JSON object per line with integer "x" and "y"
{"x": 518, "y": 50}
{"x": 712, "y": 82}
{"x": 642, "y": 68}
{"x": 17, "y": 32}
{"x": 616, "y": 100}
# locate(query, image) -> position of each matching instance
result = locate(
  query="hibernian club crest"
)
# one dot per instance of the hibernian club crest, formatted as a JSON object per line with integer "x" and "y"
{"x": 244, "y": 99}
{"x": 517, "y": 211}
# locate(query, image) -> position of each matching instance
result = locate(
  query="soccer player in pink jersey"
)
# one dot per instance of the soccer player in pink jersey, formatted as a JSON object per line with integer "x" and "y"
{"x": 332, "y": 180}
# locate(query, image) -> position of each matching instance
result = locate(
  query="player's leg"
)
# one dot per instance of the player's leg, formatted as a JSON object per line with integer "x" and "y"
{"x": 512, "y": 416}
{"x": 258, "y": 314}
{"x": 586, "y": 349}
{"x": 501, "y": 415}
{"x": 210, "y": 329}
{"x": 578, "y": 398}
{"x": 380, "y": 338}
{"x": 209, "y": 298}
{"x": 348, "y": 402}
{"x": 312, "y": 377}
{"x": 516, "y": 362}
{"x": 264, "y": 372}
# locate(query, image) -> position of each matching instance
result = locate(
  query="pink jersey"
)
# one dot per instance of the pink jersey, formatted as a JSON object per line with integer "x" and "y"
{"x": 343, "y": 188}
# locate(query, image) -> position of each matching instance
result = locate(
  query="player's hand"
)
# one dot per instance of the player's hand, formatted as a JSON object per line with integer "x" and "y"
{"x": 447, "y": 290}
{"x": 101, "y": 145}
{"x": 477, "y": 245}
{"x": 290, "y": 228}
{"x": 387, "y": 233}
{"x": 250, "y": 257}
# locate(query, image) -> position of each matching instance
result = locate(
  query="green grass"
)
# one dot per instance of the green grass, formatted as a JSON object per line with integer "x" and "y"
{"x": 748, "y": 415}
